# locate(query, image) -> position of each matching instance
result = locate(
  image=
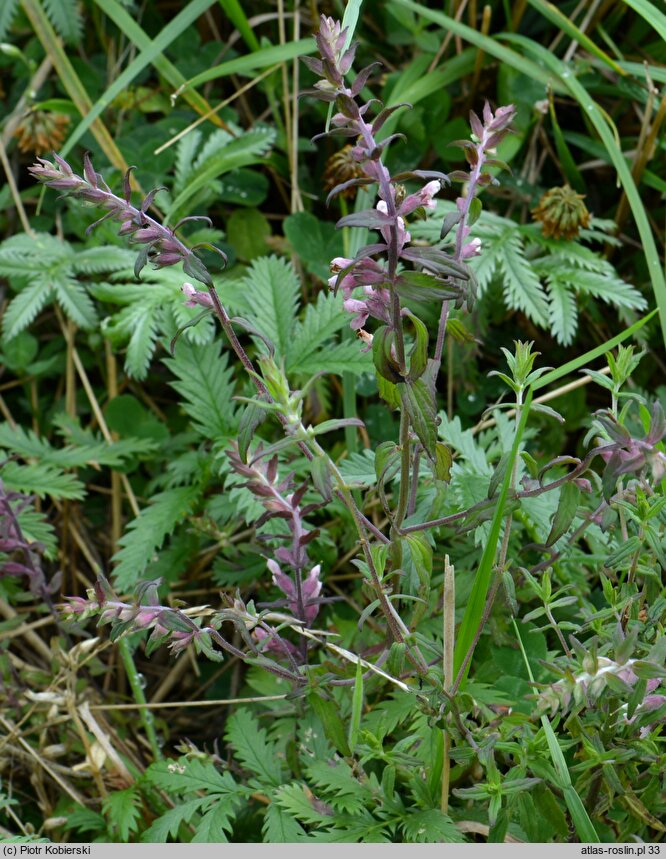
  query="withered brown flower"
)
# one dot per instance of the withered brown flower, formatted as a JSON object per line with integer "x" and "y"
{"x": 41, "y": 131}
{"x": 341, "y": 167}
{"x": 562, "y": 213}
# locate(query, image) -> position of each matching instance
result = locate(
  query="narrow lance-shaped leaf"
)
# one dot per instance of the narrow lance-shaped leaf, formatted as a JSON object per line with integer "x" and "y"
{"x": 329, "y": 715}
{"x": 418, "y": 402}
{"x": 565, "y": 513}
{"x": 418, "y": 356}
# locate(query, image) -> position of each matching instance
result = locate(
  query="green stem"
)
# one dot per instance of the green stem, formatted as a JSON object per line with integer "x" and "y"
{"x": 448, "y": 644}
{"x": 146, "y": 716}
{"x": 405, "y": 463}
{"x": 399, "y": 631}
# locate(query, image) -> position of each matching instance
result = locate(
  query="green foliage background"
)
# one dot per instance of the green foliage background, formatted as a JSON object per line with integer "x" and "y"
{"x": 119, "y": 437}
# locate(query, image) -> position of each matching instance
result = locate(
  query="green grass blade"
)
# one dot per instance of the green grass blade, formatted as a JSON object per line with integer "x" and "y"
{"x": 71, "y": 81}
{"x": 485, "y": 43}
{"x": 350, "y": 18}
{"x": 592, "y": 355}
{"x": 151, "y": 53}
{"x": 569, "y": 167}
{"x": 651, "y": 14}
{"x": 124, "y": 21}
{"x": 558, "y": 75}
{"x": 260, "y": 59}
{"x": 357, "y": 708}
{"x": 638, "y": 70}
{"x": 553, "y": 14}
{"x": 592, "y": 110}
{"x": 581, "y": 819}
{"x": 234, "y": 12}
{"x": 457, "y": 67}
{"x": 477, "y": 599}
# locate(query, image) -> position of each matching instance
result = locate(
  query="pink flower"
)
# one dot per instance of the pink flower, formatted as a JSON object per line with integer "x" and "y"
{"x": 403, "y": 236}
{"x": 423, "y": 198}
{"x": 360, "y": 309}
{"x": 310, "y": 589}
{"x": 277, "y": 645}
{"x": 195, "y": 297}
{"x": 471, "y": 249}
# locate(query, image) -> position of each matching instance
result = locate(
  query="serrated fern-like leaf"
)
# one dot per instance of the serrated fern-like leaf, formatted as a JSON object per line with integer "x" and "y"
{"x": 280, "y": 827}
{"x": 252, "y": 747}
{"x": 75, "y": 301}
{"x": 359, "y": 828}
{"x": 185, "y": 160}
{"x": 127, "y": 293}
{"x": 169, "y": 823}
{"x": 359, "y": 468}
{"x": 22, "y": 254}
{"x": 217, "y": 821}
{"x": 66, "y": 18}
{"x": 149, "y": 530}
{"x": 272, "y": 290}
{"x": 310, "y": 351}
{"x": 138, "y": 326}
{"x": 521, "y": 286}
{"x": 464, "y": 442}
{"x": 428, "y": 826}
{"x": 383, "y": 719}
{"x": 141, "y": 344}
{"x": 189, "y": 775}
{"x": 524, "y": 258}
{"x": 320, "y": 323}
{"x": 221, "y": 154}
{"x": 213, "y": 145}
{"x": 95, "y": 451}
{"x": 540, "y": 513}
{"x": 202, "y": 332}
{"x": 36, "y": 528}
{"x": 22, "y": 310}
{"x": 608, "y": 287}
{"x": 7, "y": 12}
{"x": 42, "y": 268}
{"x": 205, "y": 382}
{"x": 563, "y": 312}
{"x": 343, "y": 791}
{"x": 121, "y": 808}
{"x": 41, "y": 480}
{"x": 82, "y": 819}
{"x": 101, "y": 259}
{"x": 346, "y": 357}
{"x": 153, "y": 307}
{"x": 561, "y": 253}
{"x": 293, "y": 799}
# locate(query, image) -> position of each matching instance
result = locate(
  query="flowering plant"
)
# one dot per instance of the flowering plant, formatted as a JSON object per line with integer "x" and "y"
{"x": 436, "y": 487}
